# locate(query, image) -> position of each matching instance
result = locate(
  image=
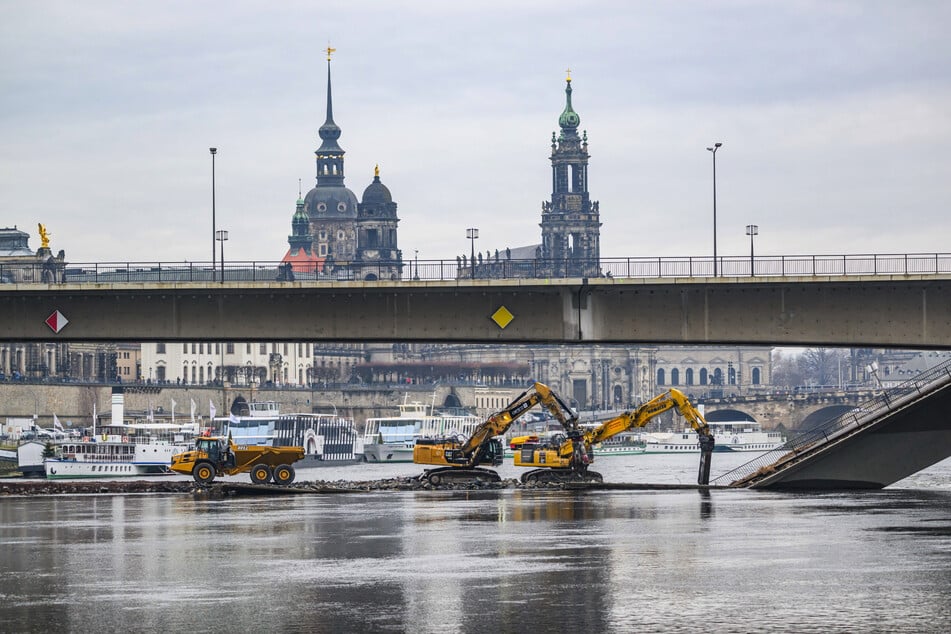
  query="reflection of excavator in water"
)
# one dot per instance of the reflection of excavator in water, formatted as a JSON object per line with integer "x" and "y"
{"x": 567, "y": 457}
{"x": 457, "y": 458}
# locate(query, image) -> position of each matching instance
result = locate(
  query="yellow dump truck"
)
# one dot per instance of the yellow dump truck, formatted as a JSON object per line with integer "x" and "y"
{"x": 216, "y": 456}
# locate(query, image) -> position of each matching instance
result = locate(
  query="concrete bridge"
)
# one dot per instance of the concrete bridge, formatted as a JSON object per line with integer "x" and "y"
{"x": 893, "y": 310}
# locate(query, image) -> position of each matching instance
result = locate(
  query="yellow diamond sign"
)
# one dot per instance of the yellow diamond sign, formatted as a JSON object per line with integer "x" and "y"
{"x": 502, "y": 317}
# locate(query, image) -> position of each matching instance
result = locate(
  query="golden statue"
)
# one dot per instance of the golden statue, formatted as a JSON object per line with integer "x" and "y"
{"x": 44, "y": 236}
{"x": 330, "y": 51}
{"x": 376, "y": 170}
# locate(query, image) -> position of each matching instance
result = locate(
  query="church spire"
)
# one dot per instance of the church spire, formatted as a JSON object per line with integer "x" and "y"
{"x": 569, "y": 119}
{"x": 329, "y": 154}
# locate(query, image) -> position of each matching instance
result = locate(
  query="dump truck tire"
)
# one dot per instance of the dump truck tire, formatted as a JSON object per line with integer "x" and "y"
{"x": 204, "y": 472}
{"x": 260, "y": 474}
{"x": 283, "y": 474}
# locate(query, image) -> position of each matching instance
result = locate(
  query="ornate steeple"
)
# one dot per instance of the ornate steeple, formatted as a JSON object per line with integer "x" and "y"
{"x": 300, "y": 238}
{"x": 329, "y": 154}
{"x": 570, "y": 220}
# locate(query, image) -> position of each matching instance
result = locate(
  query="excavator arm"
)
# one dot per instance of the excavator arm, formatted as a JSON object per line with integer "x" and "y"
{"x": 460, "y": 458}
{"x": 646, "y": 412}
{"x": 573, "y": 455}
{"x": 498, "y": 423}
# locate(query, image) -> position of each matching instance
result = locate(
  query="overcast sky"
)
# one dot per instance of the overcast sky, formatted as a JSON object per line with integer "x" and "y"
{"x": 835, "y": 119}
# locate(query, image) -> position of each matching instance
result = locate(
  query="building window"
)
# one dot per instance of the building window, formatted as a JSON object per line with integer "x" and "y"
{"x": 160, "y": 348}
{"x": 322, "y": 250}
{"x": 262, "y": 348}
{"x": 688, "y": 376}
{"x": 756, "y": 377}
{"x": 675, "y": 377}
{"x": 703, "y": 376}
{"x": 229, "y": 348}
{"x": 160, "y": 373}
{"x": 660, "y": 377}
{"x": 341, "y": 206}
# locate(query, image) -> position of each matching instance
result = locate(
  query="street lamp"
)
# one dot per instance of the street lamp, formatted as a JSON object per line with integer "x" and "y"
{"x": 214, "y": 235}
{"x": 472, "y": 233}
{"x": 221, "y": 235}
{"x": 751, "y": 230}
{"x": 416, "y": 260}
{"x": 716, "y": 146}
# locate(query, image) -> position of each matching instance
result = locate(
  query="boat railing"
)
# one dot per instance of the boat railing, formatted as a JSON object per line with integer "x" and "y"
{"x": 867, "y": 412}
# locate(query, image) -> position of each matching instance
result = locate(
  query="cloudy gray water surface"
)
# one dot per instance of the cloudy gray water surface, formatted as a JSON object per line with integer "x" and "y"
{"x": 506, "y": 561}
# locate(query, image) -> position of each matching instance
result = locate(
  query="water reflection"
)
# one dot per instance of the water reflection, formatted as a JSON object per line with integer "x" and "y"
{"x": 523, "y": 560}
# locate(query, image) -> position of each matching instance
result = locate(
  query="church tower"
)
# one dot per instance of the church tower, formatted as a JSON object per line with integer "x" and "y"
{"x": 330, "y": 206}
{"x": 571, "y": 226}
{"x": 377, "y": 253}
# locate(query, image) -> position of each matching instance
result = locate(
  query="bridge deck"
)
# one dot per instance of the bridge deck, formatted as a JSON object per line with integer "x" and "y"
{"x": 900, "y": 432}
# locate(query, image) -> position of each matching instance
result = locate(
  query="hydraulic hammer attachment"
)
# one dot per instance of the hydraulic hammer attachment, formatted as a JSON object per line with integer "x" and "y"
{"x": 706, "y": 451}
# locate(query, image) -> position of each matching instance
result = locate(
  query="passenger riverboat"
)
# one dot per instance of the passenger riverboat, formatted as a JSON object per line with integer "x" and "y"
{"x": 120, "y": 451}
{"x": 392, "y": 438}
{"x": 327, "y": 439}
{"x": 729, "y": 435}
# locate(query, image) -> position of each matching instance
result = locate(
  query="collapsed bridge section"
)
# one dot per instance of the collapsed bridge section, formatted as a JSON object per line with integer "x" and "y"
{"x": 901, "y": 431}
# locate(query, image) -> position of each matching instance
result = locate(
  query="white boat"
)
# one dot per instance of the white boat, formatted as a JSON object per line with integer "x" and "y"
{"x": 392, "y": 438}
{"x": 327, "y": 439}
{"x": 121, "y": 451}
{"x": 742, "y": 435}
{"x": 621, "y": 445}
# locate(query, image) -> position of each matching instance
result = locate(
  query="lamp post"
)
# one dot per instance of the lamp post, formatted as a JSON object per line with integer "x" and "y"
{"x": 416, "y": 262}
{"x": 472, "y": 233}
{"x": 751, "y": 230}
{"x": 716, "y": 146}
{"x": 214, "y": 235}
{"x": 221, "y": 235}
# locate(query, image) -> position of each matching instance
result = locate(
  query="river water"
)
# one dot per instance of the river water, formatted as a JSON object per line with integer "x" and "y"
{"x": 487, "y": 561}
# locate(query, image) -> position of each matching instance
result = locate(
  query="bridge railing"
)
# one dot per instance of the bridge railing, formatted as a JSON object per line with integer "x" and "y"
{"x": 492, "y": 267}
{"x": 865, "y": 413}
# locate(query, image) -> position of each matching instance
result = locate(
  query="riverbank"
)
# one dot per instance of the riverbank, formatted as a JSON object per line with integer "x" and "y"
{"x": 225, "y": 488}
{"x": 26, "y": 487}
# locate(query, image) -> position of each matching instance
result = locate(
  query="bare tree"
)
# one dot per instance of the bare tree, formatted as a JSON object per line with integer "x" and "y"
{"x": 786, "y": 371}
{"x": 822, "y": 366}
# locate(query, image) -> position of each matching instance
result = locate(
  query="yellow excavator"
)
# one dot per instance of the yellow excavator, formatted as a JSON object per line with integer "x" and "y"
{"x": 457, "y": 458}
{"x": 566, "y": 457}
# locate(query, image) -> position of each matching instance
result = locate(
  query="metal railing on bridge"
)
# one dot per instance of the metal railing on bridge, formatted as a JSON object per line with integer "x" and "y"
{"x": 838, "y": 427}
{"x": 488, "y": 268}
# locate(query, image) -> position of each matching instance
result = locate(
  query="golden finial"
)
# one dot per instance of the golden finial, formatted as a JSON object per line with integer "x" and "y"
{"x": 569, "y": 74}
{"x": 376, "y": 170}
{"x": 330, "y": 51}
{"x": 44, "y": 236}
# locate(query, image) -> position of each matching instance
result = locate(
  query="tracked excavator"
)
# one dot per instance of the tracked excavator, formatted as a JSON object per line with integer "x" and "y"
{"x": 566, "y": 457}
{"x": 458, "y": 459}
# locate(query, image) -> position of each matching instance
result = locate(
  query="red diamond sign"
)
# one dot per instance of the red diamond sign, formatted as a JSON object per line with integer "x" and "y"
{"x": 57, "y": 321}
